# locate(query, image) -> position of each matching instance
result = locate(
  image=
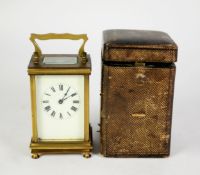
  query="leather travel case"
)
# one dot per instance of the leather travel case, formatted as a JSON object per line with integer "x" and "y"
{"x": 137, "y": 86}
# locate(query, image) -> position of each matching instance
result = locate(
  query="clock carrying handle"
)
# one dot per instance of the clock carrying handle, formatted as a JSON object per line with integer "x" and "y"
{"x": 38, "y": 53}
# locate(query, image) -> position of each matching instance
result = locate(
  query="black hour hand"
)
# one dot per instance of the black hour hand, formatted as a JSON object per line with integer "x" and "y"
{"x": 70, "y": 96}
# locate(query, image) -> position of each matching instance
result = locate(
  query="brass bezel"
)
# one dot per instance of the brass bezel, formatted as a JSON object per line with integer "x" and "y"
{"x": 59, "y": 71}
{"x": 83, "y": 67}
{"x": 39, "y": 146}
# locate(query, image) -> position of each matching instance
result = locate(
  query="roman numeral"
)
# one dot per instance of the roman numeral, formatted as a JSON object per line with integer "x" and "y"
{"x": 53, "y": 89}
{"x": 45, "y": 101}
{"x": 47, "y": 108}
{"x": 53, "y": 114}
{"x": 75, "y": 101}
{"x": 47, "y": 94}
{"x": 61, "y": 87}
{"x": 74, "y": 94}
{"x": 61, "y": 116}
{"x": 74, "y": 108}
{"x": 68, "y": 113}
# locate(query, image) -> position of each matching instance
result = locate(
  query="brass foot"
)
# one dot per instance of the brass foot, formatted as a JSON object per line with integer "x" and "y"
{"x": 35, "y": 156}
{"x": 86, "y": 155}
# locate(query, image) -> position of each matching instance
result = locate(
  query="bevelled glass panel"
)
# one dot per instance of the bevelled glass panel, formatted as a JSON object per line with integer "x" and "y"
{"x": 60, "y": 60}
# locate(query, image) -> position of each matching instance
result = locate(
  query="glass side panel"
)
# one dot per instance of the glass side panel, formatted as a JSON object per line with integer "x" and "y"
{"x": 60, "y": 60}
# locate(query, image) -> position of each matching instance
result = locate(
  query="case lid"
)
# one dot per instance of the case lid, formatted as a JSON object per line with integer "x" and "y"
{"x": 138, "y": 46}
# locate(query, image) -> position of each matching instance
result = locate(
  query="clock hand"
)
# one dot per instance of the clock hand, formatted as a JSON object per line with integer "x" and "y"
{"x": 67, "y": 97}
{"x": 62, "y": 99}
{"x": 67, "y": 92}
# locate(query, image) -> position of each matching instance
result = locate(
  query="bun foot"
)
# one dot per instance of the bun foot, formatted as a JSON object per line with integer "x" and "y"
{"x": 86, "y": 155}
{"x": 35, "y": 156}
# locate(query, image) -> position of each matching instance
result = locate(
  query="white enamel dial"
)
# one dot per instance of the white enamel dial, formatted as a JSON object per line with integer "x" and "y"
{"x": 60, "y": 107}
{"x": 60, "y": 101}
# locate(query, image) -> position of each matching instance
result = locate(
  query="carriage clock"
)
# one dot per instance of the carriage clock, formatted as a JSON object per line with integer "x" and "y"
{"x": 60, "y": 99}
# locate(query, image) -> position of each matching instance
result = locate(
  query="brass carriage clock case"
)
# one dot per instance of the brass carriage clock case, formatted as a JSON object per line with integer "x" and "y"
{"x": 38, "y": 67}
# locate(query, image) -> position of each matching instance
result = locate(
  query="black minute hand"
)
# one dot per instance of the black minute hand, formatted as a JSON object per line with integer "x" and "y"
{"x": 61, "y": 100}
{"x": 66, "y": 93}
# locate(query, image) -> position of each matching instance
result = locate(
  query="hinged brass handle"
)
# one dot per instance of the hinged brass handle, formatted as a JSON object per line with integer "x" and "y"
{"x": 38, "y": 53}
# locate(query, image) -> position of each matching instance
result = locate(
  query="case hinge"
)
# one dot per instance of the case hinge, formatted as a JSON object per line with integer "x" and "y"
{"x": 141, "y": 64}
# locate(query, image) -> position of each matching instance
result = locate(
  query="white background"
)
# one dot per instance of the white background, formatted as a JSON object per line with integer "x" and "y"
{"x": 19, "y": 18}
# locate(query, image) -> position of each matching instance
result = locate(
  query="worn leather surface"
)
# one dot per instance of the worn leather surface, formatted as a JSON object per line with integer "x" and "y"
{"x": 136, "y": 111}
{"x": 136, "y": 37}
{"x": 136, "y": 101}
{"x": 137, "y": 45}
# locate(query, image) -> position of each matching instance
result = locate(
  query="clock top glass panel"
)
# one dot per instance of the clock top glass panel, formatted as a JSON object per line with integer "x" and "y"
{"x": 60, "y": 60}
